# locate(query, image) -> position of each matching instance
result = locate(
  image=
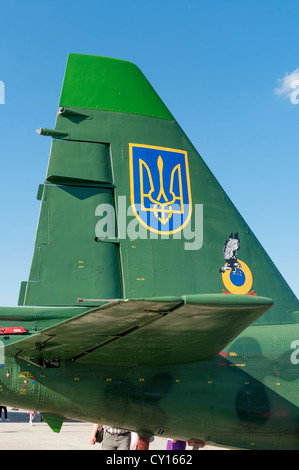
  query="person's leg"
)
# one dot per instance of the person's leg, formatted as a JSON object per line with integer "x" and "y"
{"x": 109, "y": 442}
{"x": 143, "y": 442}
{"x": 124, "y": 441}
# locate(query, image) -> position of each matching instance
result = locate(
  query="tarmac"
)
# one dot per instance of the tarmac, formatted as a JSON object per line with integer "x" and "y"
{"x": 18, "y": 434}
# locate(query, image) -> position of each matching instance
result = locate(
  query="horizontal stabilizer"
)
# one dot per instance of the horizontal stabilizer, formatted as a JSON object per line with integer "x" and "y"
{"x": 147, "y": 332}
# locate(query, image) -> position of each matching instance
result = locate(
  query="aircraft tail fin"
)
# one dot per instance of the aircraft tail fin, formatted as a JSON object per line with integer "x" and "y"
{"x": 129, "y": 209}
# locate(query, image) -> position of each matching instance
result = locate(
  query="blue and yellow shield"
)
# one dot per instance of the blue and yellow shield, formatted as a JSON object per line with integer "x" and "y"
{"x": 160, "y": 188}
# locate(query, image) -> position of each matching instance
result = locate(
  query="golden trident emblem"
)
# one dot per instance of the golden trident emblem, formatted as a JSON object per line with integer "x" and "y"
{"x": 163, "y": 207}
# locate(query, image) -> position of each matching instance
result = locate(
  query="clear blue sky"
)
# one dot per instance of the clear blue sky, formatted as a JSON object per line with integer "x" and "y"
{"x": 215, "y": 64}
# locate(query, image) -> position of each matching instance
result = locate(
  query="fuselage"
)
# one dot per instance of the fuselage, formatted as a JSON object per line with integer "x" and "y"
{"x": 246, "y": 397}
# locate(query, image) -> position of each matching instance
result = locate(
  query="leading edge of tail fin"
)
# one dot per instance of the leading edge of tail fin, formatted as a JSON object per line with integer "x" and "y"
{"x": 129, "y": 209}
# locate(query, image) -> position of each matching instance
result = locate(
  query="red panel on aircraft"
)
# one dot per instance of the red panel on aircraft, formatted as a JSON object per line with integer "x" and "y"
{"x": 12, "y": 331}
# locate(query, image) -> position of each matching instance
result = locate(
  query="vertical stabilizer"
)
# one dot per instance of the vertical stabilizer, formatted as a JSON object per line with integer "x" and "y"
{"x": 130, "y": 210}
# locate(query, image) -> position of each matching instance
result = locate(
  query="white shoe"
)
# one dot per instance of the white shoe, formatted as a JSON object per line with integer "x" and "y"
{"x": 7, "y": 419}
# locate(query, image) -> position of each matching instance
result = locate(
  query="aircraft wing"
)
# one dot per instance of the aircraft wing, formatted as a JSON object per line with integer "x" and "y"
{"x": 146, "y": 332}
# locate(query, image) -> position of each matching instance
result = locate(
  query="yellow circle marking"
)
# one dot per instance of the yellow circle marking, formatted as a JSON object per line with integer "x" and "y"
{"x": 245, "y": 288}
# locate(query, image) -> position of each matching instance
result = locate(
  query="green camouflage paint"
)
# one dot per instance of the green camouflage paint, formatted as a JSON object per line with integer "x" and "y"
{"x": 181, "y": 358}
